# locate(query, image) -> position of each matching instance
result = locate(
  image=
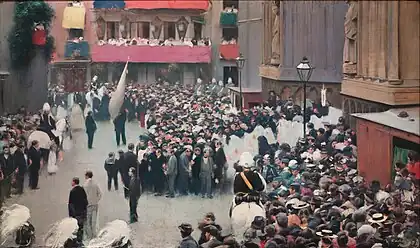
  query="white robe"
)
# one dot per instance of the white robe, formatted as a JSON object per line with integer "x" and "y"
{"x": 77, "y": 119}
{"x": 52, "y": 162}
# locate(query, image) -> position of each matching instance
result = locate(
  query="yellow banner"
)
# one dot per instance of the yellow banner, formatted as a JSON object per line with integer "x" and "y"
{"x": 74, "y": 17}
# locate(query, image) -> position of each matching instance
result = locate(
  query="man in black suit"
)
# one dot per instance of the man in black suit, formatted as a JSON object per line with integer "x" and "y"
{"x": 130, "y": 161}
{"x": 34, "y": 159}
{"x": 220, "y": 161}
{"x": 78, "y": 205}
{"x": 21, "y": 165}
{"x": 8, "y": 167}
{"x": 119, "y": 124}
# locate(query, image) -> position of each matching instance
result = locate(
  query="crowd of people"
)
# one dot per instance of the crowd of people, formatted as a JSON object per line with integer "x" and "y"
{"x": 313, "y": 197}
{"x": 155, "y": 42}
{"x": 17, "y": 159}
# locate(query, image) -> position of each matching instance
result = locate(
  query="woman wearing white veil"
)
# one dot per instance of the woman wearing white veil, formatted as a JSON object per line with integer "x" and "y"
{"x": 77, "y": 118}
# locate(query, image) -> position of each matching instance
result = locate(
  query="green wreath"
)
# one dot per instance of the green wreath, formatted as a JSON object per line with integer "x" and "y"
{"x": 26, "y": 14}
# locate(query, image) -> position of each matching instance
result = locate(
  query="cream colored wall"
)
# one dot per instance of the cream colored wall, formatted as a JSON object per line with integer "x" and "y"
{"x": 61, "y": 34}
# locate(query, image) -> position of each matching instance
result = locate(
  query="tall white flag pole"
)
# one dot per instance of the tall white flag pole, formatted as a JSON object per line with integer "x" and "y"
{"x": 117, "y": 97}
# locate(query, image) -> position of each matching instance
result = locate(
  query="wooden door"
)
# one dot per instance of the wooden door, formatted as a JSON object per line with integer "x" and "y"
{"x": 374, "y": 152}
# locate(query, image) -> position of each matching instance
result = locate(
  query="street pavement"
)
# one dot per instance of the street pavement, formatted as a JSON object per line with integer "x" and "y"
{"x": 158, "y": 216}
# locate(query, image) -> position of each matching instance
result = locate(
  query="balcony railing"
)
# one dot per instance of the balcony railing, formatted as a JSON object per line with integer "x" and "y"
{"x": 228, "y": 19}
{"x": 77, "y": 50}
{"x": 151, "y": 54}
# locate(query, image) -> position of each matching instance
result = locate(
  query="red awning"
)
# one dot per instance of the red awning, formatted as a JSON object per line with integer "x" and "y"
{"x": 167, "y": 4}
{"x": 150, "y": 54}
{"x": 229, "y": 51}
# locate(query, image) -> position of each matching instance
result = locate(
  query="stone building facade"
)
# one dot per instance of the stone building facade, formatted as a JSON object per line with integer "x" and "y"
{"x": 382, "y": 67}
{"x": 294, "y": 29}
{"x": 28, "y": 86}
{"x": 250, "y": 41}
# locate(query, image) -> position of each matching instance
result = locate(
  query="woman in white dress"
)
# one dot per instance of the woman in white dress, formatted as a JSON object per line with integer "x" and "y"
{"x": 52, "y": 160}
{"x": 77, "y": 119}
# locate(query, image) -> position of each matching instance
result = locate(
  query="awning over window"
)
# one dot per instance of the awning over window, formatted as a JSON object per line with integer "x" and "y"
{"x": 167, "y": 4}
{"x": 74, "y": 17}
{"x": 101, "y": 4}
{"x": 228, "y": 19}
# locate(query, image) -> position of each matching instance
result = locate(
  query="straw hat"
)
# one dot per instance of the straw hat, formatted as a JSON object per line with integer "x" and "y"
{"x": 377, "y": 218}
{"x": 326, "y": 233}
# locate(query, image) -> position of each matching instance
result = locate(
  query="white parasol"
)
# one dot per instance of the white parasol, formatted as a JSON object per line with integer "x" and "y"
{"x": 42, "y": 137}
{"x": 117, "y": 98}
{"x": 61, "y": 113}
{"x": 60, "y": 232}
{"x": 12, "y": 218}
{"x": 113, "y": 232}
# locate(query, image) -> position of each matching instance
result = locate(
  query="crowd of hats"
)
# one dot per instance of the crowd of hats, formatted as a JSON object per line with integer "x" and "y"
{"x": 15, "y": 128}
{"x": 179, "y": 117}
{"x": 321, "y": 198}
{"x": 316, "y": 196}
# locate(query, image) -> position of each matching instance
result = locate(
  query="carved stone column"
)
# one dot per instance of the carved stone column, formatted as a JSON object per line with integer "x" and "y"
{"x": 267, "y": 24}
{"x": 393, "y": 53}
{"x": 372, "y": 59}
{"x": 381, "y": 39}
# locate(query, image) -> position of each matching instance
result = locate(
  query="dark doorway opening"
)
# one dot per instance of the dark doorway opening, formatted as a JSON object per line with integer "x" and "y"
{"x": 230, "y": 4}
{"x": 401, "y": 148}
{"x": 230, "y": 72}
{"x": 230, "y": 33}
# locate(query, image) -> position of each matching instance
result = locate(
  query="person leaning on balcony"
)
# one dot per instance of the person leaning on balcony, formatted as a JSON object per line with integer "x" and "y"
{"x": 413, "y": 165}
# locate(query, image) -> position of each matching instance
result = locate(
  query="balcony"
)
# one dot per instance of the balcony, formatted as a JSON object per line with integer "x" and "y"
{"x": 229, "y": 51}
{"x": 151, "y": 54}
{"x": 76, "y": 50}
{"x": 228, "y": 19}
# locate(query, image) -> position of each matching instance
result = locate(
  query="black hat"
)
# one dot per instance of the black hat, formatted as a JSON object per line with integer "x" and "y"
{"x": 185, "y": 227}
{"x": 258, "y": 222}
{"x": 212, "y": 230}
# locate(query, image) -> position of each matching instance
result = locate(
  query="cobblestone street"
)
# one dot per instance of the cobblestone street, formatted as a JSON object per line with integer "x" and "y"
{"x": 158, "y": 216}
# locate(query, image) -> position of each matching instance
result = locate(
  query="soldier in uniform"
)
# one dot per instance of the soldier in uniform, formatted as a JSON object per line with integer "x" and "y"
{"x": 248, "y": 184}
{"x": 47, "y": 123}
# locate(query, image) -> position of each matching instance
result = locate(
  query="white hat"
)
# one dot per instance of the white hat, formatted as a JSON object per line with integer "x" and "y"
{"x": 213, "y": 80}
{"x": 46, "y": 107}
{"x": 292, "y": 163}
{"x": 246, "y": 160}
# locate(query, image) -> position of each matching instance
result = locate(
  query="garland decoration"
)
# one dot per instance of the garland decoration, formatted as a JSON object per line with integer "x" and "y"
{"x": 28, "y": 16}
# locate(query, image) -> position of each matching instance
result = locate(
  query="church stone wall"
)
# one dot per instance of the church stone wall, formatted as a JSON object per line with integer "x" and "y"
{"x": 27, "y": 87}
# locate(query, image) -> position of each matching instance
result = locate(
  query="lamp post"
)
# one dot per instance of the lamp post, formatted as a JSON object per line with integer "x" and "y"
{"x": 304, "y": 70}
{"x": 240, "y": 62}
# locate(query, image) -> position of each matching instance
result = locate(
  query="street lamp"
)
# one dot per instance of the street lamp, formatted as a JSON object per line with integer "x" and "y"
{"x": 240, "y": 62}
{"x": 304, "y": 70}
